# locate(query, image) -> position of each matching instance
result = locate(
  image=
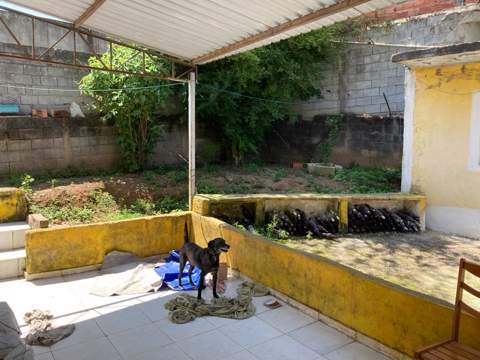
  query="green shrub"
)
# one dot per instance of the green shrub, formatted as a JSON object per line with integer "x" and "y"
{"x": 252, "y": 168}
{"x": 178, "y": 175}
{"x": 272, "y": 78}
{"x": 132, "y": 111}
{"x": 149, "y": 176}
{"x": 271, "y": 230}
{"x": 203, "y": 187}
{"x": 143, "y": 206}
{"x": 170, "y": 204}
{"x": 279, "y": 174}
{"x": 26, "y": 184}
{"x": 370, "y": 179}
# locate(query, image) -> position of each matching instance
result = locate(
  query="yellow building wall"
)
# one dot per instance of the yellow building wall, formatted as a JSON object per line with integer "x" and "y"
{"x": 441, "y": 122}
{"x": 398, "y": 318}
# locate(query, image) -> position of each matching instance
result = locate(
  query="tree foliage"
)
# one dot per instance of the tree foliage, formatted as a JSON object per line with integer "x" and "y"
{"x": 132, "y": 109}
{"x": 284, "y": 72}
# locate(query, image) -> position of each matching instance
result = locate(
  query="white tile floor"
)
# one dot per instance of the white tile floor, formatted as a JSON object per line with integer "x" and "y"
{"x": 137, "y": 327}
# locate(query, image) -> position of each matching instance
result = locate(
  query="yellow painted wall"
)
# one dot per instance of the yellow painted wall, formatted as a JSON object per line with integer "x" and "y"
{"x": 398, "y": 318}
{"x": 82, "y": 245}
{"x": 442, "y": 115}
{"x": 13, "y": 205}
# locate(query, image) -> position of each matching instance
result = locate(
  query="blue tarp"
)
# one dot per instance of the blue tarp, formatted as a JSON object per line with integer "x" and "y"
{"x": 169, "y": 273}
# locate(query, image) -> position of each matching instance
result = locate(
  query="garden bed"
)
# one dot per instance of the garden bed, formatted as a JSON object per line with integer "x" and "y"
{"x": 72, "y": 198}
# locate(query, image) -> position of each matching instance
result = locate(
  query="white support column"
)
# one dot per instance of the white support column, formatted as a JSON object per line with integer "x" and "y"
{"x": 407, "y": 159}
{"x": 191, "y": 139}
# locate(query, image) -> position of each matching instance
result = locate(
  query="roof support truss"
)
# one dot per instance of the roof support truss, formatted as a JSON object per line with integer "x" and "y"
{"x": 33, "y": 52}
{"x": 89, "y": 12}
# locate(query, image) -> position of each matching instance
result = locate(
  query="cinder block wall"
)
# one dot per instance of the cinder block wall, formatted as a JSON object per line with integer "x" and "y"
{"x": 26, "y": 80}
{"x": 368, "y": 141}
{"x": 36, "y": 145}
{"x": 30, "y": 144}
{"x": 34, "y": 75}
{"x": 357, "y": 83}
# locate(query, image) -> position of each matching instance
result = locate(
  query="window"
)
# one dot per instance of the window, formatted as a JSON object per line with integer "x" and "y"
{"x": 474, "y": 148}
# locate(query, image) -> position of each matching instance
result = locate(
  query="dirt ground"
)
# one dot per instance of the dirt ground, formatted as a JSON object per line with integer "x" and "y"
{"x": 425, "y": 262}
{"x": 154, "y": 186}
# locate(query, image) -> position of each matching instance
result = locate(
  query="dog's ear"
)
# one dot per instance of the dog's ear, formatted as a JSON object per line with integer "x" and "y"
{"x": 211, "y": 244}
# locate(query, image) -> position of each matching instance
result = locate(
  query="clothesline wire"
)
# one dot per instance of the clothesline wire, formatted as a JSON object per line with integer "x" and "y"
{"x": 152, "y": 87}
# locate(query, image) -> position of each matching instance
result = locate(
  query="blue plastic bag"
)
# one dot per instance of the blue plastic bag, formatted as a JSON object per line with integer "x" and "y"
{"x": 169, "y": 273}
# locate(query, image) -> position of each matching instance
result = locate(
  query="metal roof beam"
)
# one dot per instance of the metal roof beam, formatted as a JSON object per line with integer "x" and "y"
{"x": 89, "y": 12}
{"x": 276, "y": 30}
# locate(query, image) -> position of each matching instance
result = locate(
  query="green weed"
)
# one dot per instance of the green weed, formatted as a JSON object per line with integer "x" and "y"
{"x": 279, "y": 174}
{"x": 203, "y": 187}
{"x": 252, "y": 168}
{"x": 143, "y": 206}
{"x": 26, "y": 184}
{"x": 369, "y": 180}
{"x": 178, "y": 175}
{"x": 170, "y": 204}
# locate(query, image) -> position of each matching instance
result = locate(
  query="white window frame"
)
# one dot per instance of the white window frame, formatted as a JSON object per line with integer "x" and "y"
{"x": 474, "y": 143}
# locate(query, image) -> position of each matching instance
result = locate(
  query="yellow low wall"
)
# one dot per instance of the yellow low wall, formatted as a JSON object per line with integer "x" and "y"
{"x": 78, "y": 246}
{"x": 13, "y": 205}
{"x": 398, "y": 318}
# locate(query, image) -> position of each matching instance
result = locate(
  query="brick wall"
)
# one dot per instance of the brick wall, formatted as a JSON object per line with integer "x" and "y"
{"x": 25, "y": 79}
{"x": 36, "y": 145}
{"x": 29, "y": 144}
{"x": 356, "y": 85}
{"x": 30, "y": 74}
{"x": 368, "y": 141}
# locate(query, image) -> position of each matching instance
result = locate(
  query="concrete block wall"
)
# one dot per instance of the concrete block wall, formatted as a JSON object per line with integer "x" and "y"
{"x": 370, "y": 141}
{"x": 357, "y": 83}
{"x": 29, "y": 144}
{"x": 22, "y": 83}
{"x": 36, "y": 145}
{"x": 25, "y": 78}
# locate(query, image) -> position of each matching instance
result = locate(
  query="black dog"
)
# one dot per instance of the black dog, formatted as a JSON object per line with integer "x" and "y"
{"x": 207, "y": 260}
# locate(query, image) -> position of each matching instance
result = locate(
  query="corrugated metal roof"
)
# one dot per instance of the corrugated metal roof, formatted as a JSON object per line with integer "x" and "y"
{"x": 191, "y": 29}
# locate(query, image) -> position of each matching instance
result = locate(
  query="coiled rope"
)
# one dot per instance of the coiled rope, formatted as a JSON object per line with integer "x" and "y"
{"x": 185, "y": 308}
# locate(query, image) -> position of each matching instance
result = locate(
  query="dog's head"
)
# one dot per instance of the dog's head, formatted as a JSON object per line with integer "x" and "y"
{"x": 218, "y": 245}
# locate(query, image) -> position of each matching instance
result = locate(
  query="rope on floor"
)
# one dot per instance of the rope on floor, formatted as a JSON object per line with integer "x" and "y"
{"x": 185, "y": 308}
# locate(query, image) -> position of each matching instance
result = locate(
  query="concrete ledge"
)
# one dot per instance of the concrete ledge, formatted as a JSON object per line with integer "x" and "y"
{"x": 61, "y": 248}
{"x": 214, "y": 205}
{"x": 57, "y": 273}
{"x": 13, "y": 205}
{"x": 398, "y": 318}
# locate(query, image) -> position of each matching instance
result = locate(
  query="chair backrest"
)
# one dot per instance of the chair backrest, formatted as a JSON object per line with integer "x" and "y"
{"x": 473, "y": 269}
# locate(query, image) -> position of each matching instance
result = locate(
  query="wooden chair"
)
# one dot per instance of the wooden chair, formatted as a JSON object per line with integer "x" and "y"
{"x": 452, "y": 349}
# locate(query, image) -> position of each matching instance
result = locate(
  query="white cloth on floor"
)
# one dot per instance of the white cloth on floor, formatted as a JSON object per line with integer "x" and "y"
{"x": 125, "y": 280}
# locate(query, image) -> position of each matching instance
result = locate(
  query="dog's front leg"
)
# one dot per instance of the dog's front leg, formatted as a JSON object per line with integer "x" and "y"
{"x": 181, "y": 264}
{"x": 215, "y": 276}
{"x": 190, "y": 269}
{"x": 201, "y": 285}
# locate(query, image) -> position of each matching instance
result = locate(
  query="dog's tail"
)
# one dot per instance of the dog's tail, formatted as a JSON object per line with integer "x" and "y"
{"x": 185, "y": 233}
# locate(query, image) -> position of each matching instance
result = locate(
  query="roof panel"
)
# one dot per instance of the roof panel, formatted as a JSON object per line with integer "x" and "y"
{"x": 195, "y": 28}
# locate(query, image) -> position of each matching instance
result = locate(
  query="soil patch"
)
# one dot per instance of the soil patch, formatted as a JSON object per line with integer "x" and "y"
{"x": 425, "y": 262}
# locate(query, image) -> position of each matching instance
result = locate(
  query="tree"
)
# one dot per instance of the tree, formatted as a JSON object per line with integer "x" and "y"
{"x": 133, "y": 107}
{"x": 283, "y": 72}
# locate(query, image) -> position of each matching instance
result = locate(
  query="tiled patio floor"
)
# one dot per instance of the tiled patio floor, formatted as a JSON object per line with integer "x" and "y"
{"x": 137, "y": 327}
